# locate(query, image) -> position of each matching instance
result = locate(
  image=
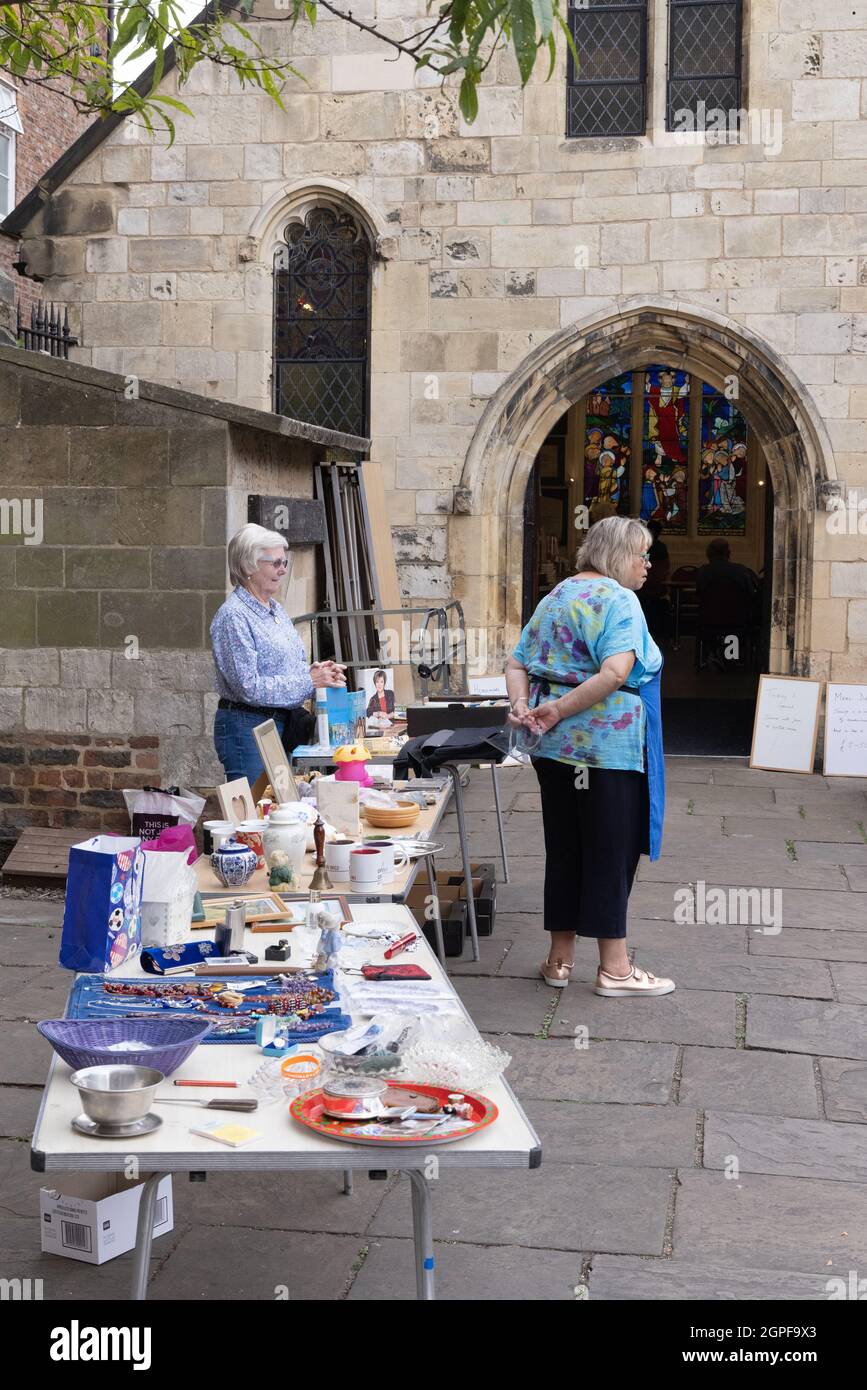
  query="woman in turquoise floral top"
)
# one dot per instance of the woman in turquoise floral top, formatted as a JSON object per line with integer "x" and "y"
{"x": 584, "y": 677}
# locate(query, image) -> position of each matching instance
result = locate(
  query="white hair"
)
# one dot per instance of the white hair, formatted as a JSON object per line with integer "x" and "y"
{"x": 246, "y": 548}
{"x": 612, "y": 544}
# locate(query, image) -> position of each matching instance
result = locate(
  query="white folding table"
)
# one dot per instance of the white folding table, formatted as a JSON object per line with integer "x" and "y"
{"x": 283, "y": 1144}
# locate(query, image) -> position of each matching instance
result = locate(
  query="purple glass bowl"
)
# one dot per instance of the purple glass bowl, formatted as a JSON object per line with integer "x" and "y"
{"x": 83, "y": 1042}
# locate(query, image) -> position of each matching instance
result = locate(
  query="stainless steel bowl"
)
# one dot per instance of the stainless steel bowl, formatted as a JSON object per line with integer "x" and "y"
{"x": 116, "y": 1094}
{"x": 353, "y": 1098}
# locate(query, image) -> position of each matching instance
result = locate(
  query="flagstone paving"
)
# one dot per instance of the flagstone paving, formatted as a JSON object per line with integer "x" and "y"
{"x": 708, "y": 1144}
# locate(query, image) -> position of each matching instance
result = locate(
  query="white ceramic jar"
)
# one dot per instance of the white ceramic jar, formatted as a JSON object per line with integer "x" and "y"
{"x": 287, "y": 831}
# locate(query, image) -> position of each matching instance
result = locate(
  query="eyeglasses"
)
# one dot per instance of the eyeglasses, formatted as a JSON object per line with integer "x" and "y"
{"x": 277, "y": 564}
{"x": 644, "y": 557}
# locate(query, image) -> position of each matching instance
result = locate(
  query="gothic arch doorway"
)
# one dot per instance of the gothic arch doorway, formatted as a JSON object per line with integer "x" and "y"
{"x": 561, "y": 372}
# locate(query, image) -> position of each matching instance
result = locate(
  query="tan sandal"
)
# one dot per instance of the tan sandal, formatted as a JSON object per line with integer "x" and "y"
{"x": 555, "y": 973}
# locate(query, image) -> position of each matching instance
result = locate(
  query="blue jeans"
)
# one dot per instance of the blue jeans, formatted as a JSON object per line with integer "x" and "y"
{"x": 235, "y": 744}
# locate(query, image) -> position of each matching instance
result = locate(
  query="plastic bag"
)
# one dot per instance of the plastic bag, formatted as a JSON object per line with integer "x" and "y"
{"x": 152, "y": 809}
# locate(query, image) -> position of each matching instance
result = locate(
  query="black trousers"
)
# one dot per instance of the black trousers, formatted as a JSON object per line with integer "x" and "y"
{"x": 594, "y": 835}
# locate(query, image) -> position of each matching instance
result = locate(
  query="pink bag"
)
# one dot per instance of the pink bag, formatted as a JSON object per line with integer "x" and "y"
{"x": 173, "y": 840}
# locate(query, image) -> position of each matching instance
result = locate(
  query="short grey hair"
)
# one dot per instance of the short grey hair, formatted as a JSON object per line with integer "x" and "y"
{"x": 610, "y": 545}
{"x": 246, "y": 547}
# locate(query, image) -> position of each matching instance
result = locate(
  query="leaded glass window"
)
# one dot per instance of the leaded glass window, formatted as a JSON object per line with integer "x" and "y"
{"x": 607, "y": 448}
{"x": 722, "y": 481}
{"x": 321, "y": 322}
{"x": 606, "y": 92}
{"x": 704, "y": 64}
{"x": 666, "y": 446}
{"x": 665, "y": 463}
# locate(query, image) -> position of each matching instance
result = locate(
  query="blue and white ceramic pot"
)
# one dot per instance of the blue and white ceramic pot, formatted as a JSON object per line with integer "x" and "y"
{"x": 233, "y": 863}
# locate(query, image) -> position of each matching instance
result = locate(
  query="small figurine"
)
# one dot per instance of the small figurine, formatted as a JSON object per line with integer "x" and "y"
{"x": 282, "y": 873}
{"x": 351, "y": 759}
{"x": 330, "y": 939}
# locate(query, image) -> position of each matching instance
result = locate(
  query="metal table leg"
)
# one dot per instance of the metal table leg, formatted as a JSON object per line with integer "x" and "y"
{"x": 144, "y": 1238}
{"x": 347, "y": 1181}
{"x": 438, "y": 921}
{"x": 503, "y": 856}
{"x": 455, "y": 773}
{"x": 422, "y": 1230}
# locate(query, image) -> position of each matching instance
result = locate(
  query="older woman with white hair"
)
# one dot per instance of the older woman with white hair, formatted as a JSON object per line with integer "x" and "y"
{"x": 584, "y": 681}
{"x": 261, "y": 665}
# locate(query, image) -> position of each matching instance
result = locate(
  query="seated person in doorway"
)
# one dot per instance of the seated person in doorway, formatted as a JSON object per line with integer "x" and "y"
{"x": 727, "y": 600}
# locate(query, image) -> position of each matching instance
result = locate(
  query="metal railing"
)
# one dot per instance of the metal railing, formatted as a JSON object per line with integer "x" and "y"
{"x": 48, "y": 331}
{"x": 437, "y": 644}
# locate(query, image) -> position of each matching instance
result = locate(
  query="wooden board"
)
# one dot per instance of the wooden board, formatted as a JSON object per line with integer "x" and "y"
{"x": 386, "y": 570}
{"x": 786, "y": 723}
{"x": 42, "y": 855}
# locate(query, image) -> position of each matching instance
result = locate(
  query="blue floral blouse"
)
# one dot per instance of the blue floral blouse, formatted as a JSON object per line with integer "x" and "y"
{"x": 573, "y": 630}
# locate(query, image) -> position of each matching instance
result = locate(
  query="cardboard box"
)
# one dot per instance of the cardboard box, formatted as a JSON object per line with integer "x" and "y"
{"x": 95, "y": 1218}
{"x": 452, "y": 889}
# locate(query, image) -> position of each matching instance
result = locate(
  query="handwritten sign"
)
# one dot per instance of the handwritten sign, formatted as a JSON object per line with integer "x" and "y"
{"x": 846, "y": 730}
{"x": 786, "y": 724}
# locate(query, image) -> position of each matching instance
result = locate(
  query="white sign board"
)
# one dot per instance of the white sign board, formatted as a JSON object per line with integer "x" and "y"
{"x": 786, "y": 723}
{"x": 487, "y": 687}
{"x": 846, "y": 730}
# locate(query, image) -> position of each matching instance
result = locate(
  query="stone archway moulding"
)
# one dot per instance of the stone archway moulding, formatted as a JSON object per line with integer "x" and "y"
{"x": 567, "y": 365}
{"x": 297, "y": 198}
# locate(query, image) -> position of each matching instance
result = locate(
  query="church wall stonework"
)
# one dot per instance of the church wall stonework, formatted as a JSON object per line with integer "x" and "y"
{"x": 488, "y": 241}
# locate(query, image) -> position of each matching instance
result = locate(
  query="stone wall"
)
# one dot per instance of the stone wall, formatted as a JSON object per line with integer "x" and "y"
{"x": 115, "y": 515}
{"x": 489, "y": 241}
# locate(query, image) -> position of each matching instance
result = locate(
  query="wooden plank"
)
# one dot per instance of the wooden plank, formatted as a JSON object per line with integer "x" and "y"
{"x": 389, "y": 595}
{"x": 41, "y": 854}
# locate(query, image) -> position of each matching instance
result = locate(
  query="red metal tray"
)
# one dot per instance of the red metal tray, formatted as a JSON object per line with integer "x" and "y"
{"x": 307, "y": 1110}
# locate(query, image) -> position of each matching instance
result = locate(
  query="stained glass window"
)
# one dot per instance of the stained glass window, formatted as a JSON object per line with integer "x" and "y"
{"x": 607, "y": 443}
{"x": 606, "y": 90}
{"x": 722, "y": 475}
{"x": 665, "y": 460}
{"x": 321, "y": 322}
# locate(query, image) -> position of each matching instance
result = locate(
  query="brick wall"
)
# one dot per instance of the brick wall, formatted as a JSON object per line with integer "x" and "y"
{"x": 75, "y": 781}
{"x": 51, "y": 123}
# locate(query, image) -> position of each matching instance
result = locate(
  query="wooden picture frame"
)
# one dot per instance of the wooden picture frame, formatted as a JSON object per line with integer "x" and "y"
{"x": 302, "y": 899}
{"x": 803, "y": 754}
{"x": 230, "y": 794}
{"x": 856, "y": 765}
{"x": 269, "y": 908}
{"x": 276, "y": 761}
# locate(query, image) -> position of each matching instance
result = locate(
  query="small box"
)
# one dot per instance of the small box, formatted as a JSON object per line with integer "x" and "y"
{"x": 96, "y": 1217}
{"x": 454, "y": 918}
{"x": 429, "y": 719}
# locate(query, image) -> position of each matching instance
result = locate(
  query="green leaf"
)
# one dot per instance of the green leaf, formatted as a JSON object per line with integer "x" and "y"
{"x": 468, "y": 99}
{"x": 524, "y": 37}
{"x": 543, "y": 11}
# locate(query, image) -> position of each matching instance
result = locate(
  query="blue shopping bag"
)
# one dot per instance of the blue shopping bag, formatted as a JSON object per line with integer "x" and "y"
{"x": 102, "y": 915}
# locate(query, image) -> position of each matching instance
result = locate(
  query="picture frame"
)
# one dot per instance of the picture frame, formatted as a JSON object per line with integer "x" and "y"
{"x": 786, "y": 723}
{"x": 301, "y": 900}
{"x": 266, "y": 906}
{"x": 365, "y": 680}
{"x": 276, "y": 761}
{"x": 236, "y": 801}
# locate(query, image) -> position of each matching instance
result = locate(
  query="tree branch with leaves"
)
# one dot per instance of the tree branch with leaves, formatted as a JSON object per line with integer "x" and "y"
{"x": 68, "y": 46}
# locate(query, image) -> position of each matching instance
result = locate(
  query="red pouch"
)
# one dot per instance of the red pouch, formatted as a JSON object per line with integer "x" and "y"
{"x": 394, "y": 972}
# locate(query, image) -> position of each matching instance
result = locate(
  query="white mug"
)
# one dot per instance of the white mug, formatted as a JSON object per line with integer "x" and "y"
{"x": 389, "y": 849}
{"x": 365, "y": 867}
{"x": 337, "y": 856}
